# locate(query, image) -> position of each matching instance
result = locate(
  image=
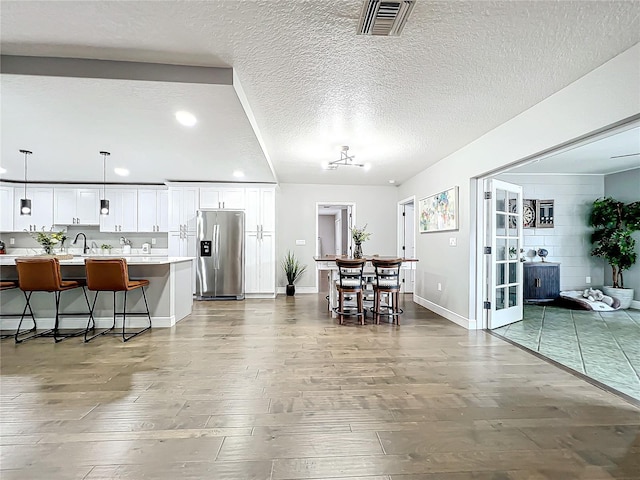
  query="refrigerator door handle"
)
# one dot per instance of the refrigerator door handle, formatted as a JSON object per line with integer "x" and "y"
{"x": 216, "y": 237}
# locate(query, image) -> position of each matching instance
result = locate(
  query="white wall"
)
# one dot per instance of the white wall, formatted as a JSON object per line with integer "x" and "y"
{"x": 569, "y": 241}
{"x": 296, "y": 220}
{"x": 604, "y": 96}
{"x": 625, "y": 187}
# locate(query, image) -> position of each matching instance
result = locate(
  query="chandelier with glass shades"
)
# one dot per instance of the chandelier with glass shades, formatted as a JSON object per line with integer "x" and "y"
{"x": 346, "y": 160}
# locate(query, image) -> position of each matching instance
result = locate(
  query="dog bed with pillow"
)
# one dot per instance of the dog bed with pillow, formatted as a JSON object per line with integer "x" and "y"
{"x": 591, "y": 299}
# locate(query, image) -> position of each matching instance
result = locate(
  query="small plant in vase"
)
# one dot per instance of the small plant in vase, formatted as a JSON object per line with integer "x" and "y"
{"x": 293, "y": 270}
{"x": 106, "y": 248}
{"x": 49, "y": 240}
{"x": 359, "y": 235}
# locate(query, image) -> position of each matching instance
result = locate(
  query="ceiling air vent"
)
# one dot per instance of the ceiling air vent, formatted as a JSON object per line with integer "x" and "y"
{"x": 384, "y": 17}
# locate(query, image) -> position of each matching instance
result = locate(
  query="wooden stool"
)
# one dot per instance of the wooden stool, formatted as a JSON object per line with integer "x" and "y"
{"x": 350, "y": 283}
{"x": 112, "y": 275}
{"x": 43, "y": 275}
{"x": 387, "y": 282}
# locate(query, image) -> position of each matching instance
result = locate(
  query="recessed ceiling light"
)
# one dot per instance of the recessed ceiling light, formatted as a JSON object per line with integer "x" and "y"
{"x": 392, "y": 181}
{"x": 238, "y": 174}
{"x": 185, "y": 118}
{"x": 3, "y": 170}
{"x": 123, "y": 172}
{"x": 367, "y": 166}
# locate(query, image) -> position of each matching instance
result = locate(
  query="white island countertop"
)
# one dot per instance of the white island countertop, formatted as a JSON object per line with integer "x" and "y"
{"x": 6, "y": 260}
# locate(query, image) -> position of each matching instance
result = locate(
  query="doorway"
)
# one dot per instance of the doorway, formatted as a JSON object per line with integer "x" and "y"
{"x": 334, "y": 221}
{"x": 407, "y": 240}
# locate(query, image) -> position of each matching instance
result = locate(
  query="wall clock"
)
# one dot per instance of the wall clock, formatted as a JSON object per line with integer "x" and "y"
{"x": 528, "y": 213}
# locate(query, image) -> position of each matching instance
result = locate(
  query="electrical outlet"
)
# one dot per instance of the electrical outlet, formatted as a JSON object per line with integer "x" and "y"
{"x": 588, "y": 280}
{"x": 439, "y": 287}
{"x": 301, "y": 242}
{"x": 453, "y": 241}
{"x": 12, "y": 241}
{"x": 153, "y": 241}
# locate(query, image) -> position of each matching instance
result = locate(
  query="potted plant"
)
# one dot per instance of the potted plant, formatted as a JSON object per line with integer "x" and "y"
{"x": 293, "y": 269}
{"x": 48, "y": 240}
{"x": 359, "y": 235}
{"x": 614, "y": 223}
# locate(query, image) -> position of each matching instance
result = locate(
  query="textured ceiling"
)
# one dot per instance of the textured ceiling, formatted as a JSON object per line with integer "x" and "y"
{"x": 401, "y": 103}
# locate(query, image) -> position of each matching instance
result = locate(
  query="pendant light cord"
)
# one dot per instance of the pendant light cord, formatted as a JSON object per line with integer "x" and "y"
{"x": 25, "y": 174}
{"x": 104, "y": 154}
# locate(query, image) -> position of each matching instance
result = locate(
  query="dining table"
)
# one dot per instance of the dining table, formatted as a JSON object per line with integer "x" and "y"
{"x": 328, "y": 263}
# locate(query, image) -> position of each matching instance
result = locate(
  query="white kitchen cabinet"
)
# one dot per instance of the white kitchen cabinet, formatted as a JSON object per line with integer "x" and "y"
{"x": 153, "y": 214}
{"x": 41, "y": 217}
{"x": 260, "y": 254}
{"x": 229, "y": 198}
{"x": 183, "y": 204}
{"x": 260, "y": 274}
{"x": 7, "y": 209}
{"x": 183, "y": 244}
{"x": 123, "y": 211}
{"x": 76, "y": 206}
{"x": 260, "y": 209}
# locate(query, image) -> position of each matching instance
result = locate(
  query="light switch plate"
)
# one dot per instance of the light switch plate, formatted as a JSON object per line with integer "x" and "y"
{"x": 453, "y": 241}
{"x": 153, "y": 241}
{"x": 301, "y": 242}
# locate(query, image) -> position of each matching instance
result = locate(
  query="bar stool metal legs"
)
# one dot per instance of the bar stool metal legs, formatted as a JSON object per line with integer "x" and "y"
{"x": 126, "y": 335}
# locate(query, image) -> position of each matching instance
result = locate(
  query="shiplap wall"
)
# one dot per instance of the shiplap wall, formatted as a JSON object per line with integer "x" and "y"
{"x": 569, "y": 241}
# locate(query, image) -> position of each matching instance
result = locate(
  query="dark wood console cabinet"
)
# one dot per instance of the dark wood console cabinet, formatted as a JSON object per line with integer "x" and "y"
{"x": 541, "y": 281}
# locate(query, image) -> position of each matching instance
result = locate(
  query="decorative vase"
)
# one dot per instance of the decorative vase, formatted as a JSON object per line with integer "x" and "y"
{"x": 48, "y": 249}
{"x": 291, "y": 290}
{"x": 625, "y": 295}
{"x": 357, "y": 253}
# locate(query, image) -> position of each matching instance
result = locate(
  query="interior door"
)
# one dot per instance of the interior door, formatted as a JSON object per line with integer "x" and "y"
{"x": 503, "y": 226}
{"x": 337, "y": 233}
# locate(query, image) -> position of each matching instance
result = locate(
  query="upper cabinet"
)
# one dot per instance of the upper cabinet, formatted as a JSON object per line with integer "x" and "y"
{"x": 41, "y": 209}
{"x": 6, "y": 208}
{"x": 123, "y": 211}
{"x": 183, "y": 204}
{"x": 76, "y": 206}
{"x": 153, "y": 210}
{"x": 261, "y": 209}
{"x": 220, "y": 197}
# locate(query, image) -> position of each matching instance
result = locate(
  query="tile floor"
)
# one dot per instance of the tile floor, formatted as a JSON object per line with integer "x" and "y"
{"x": 602, "y": 345}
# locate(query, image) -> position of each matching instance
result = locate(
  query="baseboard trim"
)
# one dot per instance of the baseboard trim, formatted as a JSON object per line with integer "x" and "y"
{"x": 259, "y": 295}
{"x": 635, "y": 304}
{"x": 443, "y": 312}
{"x": 283, "y": 290}
{"x": 78, "y": 323}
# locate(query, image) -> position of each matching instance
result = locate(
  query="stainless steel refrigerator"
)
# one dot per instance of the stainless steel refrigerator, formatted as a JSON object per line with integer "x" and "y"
{"x": 220, "y": 249}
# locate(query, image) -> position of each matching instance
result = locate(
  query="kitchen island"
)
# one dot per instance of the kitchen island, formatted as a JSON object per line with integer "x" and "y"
{"x": 169, "y": 294}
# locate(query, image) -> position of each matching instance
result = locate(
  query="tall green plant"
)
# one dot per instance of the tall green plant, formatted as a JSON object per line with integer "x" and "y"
{"x": 293, "y": 269}
{"x": 614, "y": 222}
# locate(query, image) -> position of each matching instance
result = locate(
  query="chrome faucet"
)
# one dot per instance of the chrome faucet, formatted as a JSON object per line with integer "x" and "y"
{"x": 85, "y": 249}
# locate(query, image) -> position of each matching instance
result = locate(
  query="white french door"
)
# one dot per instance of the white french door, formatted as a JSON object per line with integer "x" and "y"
{"x": 503, "y": 269}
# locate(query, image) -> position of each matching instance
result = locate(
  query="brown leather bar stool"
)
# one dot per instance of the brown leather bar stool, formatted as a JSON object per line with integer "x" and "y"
{"x": 350, "y": 283}
{"x": 387, "y": 282}
{"x": 112, "y": 275}
{"x": 43, "y": 275}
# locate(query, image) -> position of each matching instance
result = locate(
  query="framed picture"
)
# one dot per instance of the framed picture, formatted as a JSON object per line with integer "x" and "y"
{"x": 528, "y": 213}
{"x": 439, "y": 212}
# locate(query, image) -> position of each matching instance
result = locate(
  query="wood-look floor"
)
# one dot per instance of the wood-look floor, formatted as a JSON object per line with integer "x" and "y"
{"x": 265, "y": 389}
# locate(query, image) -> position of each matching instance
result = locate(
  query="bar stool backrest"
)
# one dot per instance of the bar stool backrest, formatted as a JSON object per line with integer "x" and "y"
{"x": 107, "y": 274}
{"x": 350, "y": 272}
{"x": 39, "y": 274}
{"x": 387, "y": 272}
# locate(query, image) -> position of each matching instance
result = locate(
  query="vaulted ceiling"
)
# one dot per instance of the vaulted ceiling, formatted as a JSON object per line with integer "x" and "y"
{"x": 311, "y": 84}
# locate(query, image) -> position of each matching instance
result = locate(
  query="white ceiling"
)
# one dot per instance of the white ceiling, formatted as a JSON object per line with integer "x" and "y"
{"x": 401, "y": 103}
{"x": 612, "y": 154}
